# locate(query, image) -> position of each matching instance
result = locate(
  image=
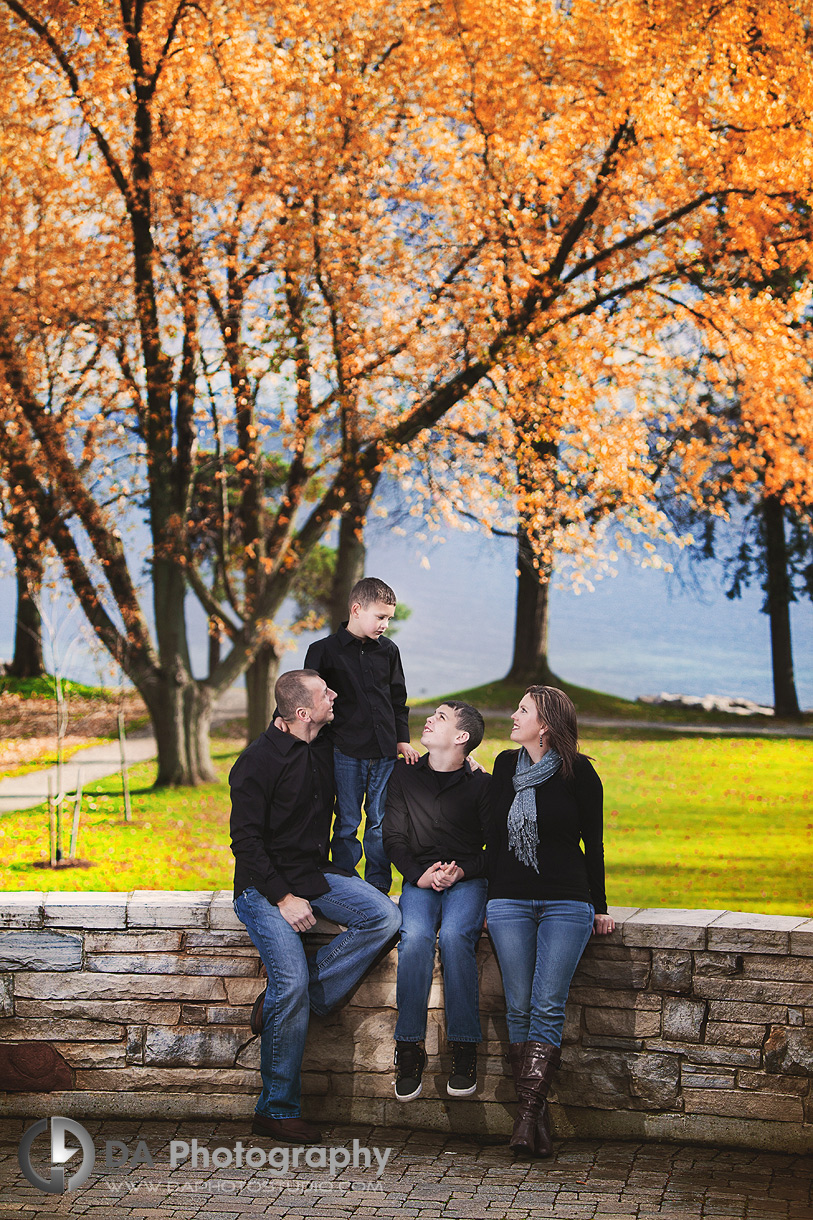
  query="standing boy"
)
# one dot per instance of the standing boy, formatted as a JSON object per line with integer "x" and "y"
{"x": 282, "y": 801}
{"x": 434, "y": 830}
{"x": 370, "y": 726}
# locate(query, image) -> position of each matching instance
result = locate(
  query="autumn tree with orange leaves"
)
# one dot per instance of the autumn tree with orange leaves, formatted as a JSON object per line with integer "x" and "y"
{"x": 282, "y": 230}
{"x": 559, "y": 460}
{"x": 732, "y": 438}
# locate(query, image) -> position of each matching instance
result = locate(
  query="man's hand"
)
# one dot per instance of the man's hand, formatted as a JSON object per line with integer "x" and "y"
{"x": 408, "y": 752}
{"x": 603, "y": 925}
{"x": 297, "y": 912}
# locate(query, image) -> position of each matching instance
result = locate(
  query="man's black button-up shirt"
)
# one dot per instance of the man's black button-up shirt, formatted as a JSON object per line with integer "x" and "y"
{"x": 370, "y": 714}
{"x": 281, "y": 807}
{"x": 426, "y": 821}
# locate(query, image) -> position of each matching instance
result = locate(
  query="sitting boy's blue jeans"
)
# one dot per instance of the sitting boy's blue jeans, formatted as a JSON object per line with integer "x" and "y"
{"x": 458, "y": 912}
{"x": 298, "y": 985}
{"x": 361, "y": 781}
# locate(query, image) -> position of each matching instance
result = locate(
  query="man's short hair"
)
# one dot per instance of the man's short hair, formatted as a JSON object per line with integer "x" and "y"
{"x": 292, "y": 691}
{"x": 469, "y": 721}
{"x": 369, "y": 590}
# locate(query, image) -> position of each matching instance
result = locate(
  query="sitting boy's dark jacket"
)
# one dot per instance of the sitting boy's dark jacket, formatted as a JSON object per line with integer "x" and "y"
{"x": 282, "y": 803}
{"x": 436, "y": 815}
{"x": 370, "y": 713}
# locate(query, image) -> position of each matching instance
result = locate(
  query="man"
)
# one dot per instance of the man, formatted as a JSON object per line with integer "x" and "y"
{"x": 282, "y": 802}
{"x": 434, "y": 829}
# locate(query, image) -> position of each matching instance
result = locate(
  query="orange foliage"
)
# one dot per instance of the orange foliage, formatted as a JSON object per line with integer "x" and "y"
{"x": 316, "y": 233}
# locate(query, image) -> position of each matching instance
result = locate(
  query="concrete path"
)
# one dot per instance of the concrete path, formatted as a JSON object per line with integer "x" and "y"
{"x": 425, "y": 1176}
{"x": 94, "y": 762}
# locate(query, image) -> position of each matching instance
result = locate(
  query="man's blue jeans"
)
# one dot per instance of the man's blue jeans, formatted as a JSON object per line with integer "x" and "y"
{"x": 297, "y": 984}
{"x": 361, "y": 780}
{"x": 459, "y": 913}
{"x": 538, "y": 945}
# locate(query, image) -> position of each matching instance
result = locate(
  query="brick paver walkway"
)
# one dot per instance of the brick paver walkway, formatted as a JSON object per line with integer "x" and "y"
{"x": 425, "y": 1176}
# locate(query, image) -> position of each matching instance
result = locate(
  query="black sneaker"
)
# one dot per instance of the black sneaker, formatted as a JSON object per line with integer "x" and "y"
{"x": 463, "y": 1076}
{"x": 410, "y": 1060}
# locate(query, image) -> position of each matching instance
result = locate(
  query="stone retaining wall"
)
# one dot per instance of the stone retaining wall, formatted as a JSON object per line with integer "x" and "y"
{"x": 684, "y": 1025}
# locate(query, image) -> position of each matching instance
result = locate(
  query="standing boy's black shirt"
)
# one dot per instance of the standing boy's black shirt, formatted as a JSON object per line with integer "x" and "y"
{"x": 282, "y": 804}
{"x": 370, "y": 714}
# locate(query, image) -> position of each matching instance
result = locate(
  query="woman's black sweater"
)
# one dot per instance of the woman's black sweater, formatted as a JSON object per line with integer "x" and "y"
{"x": 568, "y": 811}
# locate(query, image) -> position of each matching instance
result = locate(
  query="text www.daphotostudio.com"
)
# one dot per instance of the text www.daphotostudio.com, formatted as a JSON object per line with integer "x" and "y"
{"x": 255, "y": 1186}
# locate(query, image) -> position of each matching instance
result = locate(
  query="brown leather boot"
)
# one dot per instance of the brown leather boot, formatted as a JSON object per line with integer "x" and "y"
{"x": 533, "y": 1064}
{"x": 543, "y": 1145}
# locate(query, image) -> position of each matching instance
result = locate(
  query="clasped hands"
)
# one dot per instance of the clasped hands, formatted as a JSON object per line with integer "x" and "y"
{"x": 440, "y": 876}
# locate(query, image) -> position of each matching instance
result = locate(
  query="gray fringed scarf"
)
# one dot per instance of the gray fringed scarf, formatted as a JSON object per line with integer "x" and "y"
{"x": 523, "y": 832}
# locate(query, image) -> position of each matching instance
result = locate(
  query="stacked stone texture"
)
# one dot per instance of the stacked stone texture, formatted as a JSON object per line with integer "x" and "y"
{"x": 684, "y": 1025}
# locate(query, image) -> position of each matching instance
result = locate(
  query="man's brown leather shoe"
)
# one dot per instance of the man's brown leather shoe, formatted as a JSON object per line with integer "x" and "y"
{"x": 288, "y": 1130}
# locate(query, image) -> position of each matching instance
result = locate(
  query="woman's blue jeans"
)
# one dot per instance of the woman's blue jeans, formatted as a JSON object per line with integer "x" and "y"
{"x": 458, "y": 912}
{"x": 361, "y": 781}
{"x": 538, "y": 946}
{"x": 297, "y": 984}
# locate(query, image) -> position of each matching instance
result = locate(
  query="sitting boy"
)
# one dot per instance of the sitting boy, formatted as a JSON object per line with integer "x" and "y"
{"x": 434, "y": 830}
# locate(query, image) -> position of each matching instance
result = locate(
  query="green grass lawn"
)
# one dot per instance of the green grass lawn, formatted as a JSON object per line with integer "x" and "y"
{"x": 178, "y": 838}
{"x": 712, "y": 822}
{"x": 704, "y": 822}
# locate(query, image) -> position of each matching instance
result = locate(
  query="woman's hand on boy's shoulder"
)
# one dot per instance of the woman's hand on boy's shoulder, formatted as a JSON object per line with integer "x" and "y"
{"x": 407, "y": 752}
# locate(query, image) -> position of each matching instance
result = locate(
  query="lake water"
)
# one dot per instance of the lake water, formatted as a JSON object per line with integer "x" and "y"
{"x": 638, "y": 633}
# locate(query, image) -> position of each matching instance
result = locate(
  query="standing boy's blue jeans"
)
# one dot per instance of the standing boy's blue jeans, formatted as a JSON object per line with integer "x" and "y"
{"x": 538, "y": 946}
{"x": 459, "y": 912}
{"x": 297, "y": 984}
{"x": 361, "y": 780}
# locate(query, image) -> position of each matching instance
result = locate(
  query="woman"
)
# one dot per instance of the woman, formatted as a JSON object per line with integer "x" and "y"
{"x": 546, "y": 895}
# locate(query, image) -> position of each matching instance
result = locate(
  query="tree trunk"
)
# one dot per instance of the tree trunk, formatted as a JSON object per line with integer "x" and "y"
{"x": 529, "y": 665}
{"x": 197, "y": 727}
{"x": 777, "y": 606}
{"x": 536, "y": 458}
{"x": 350, "y": 558}
{"x": 261, "y": 675}
{"x": 28, "y": 659}
{"x": 181, "y": 712}
{"x": 351, "y": 553}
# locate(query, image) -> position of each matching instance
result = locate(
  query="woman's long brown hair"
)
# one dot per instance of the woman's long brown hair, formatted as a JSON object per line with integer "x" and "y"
{"x": 556, "y": 711}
